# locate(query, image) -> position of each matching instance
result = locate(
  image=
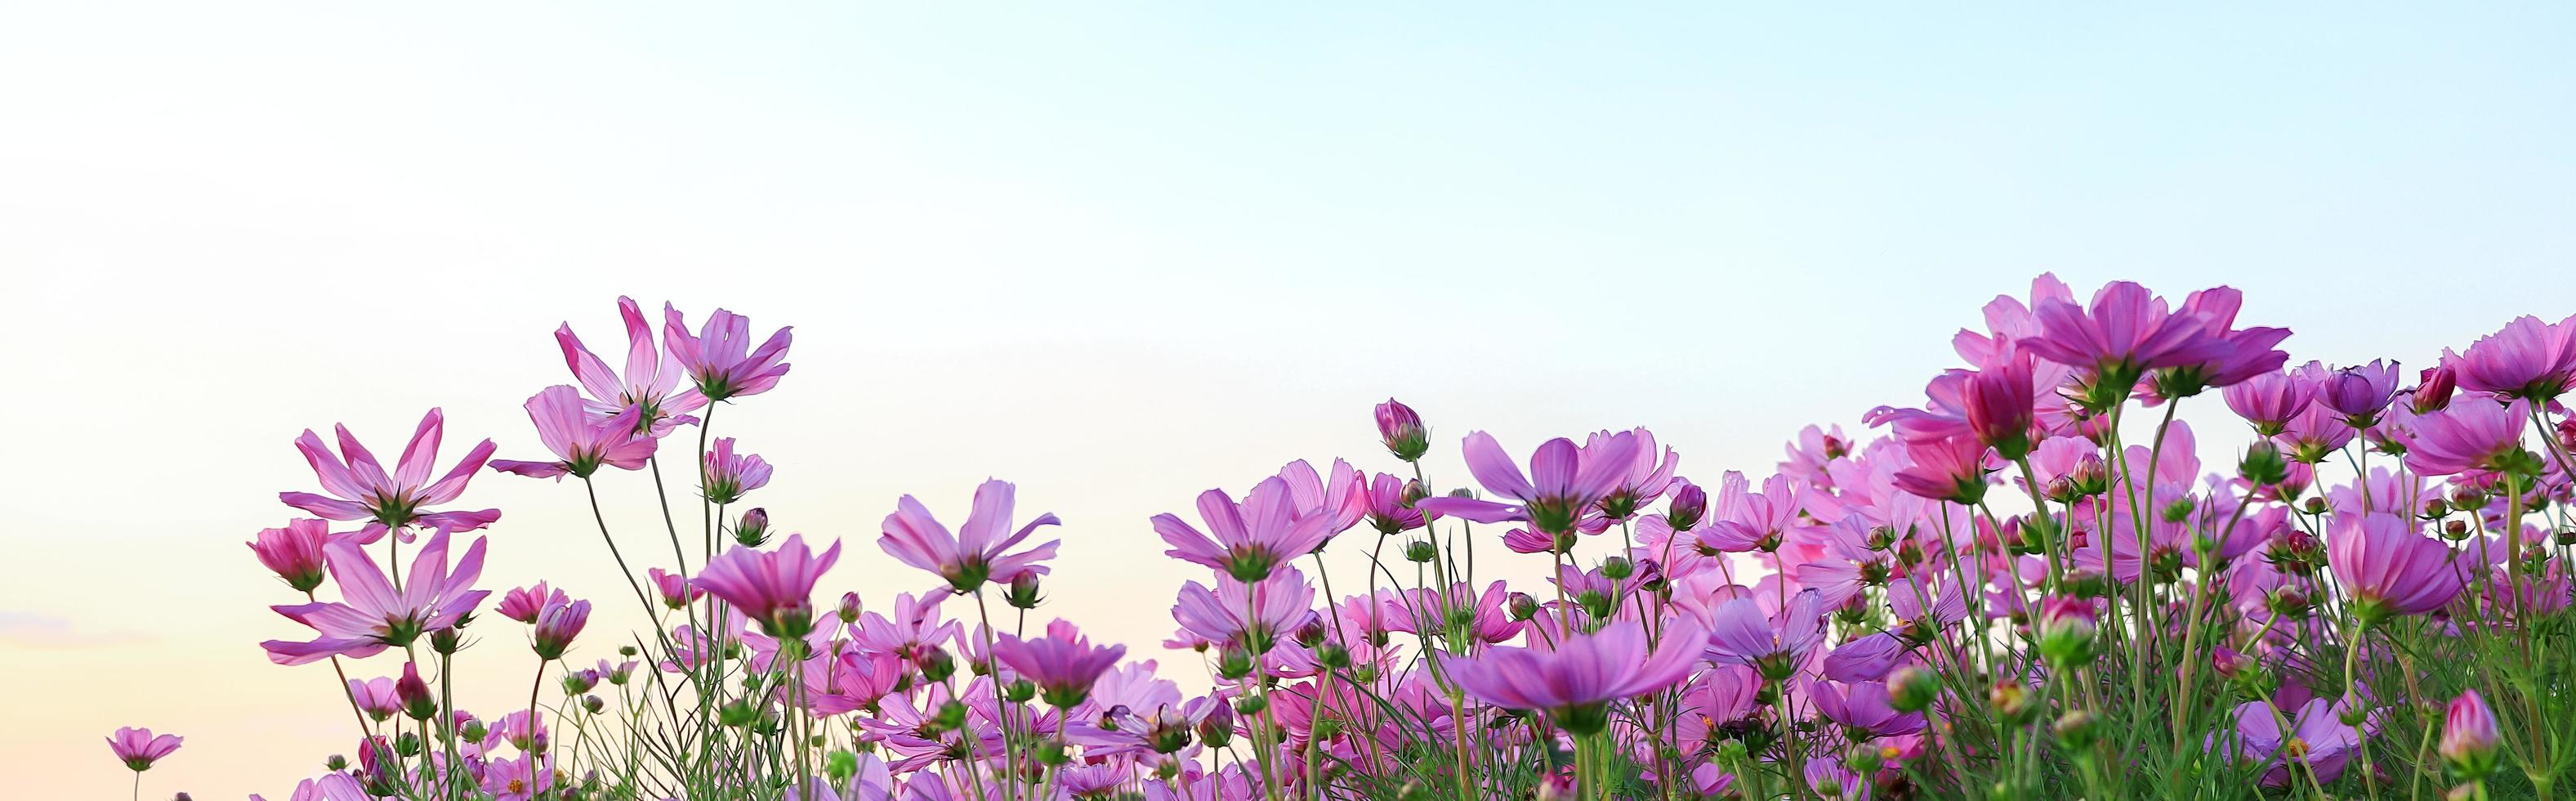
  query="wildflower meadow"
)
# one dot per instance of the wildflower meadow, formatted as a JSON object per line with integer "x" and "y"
{"x": 2034, "y": 582}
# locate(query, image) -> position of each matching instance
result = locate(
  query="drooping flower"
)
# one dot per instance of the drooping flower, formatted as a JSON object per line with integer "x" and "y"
{"x": 979, "y": 551}
{"x": 1253, "y": 537}
{"x": 294, "y": 552}
{"x": 720, "y": 357}
{"x": 1775, "y": 646}
{"x": 727, "y": 476}
{"x": 361, "y": 490}
{"x": 1063, "y": 664}
{"x": 2527, "y": 360}
{"x": 1575, "y": 680}
{"x": 371, "y": 614}
{"x": 773, "y": 588}
{"x": 1391, "y": 505}
{"x": 2468, "y": 437}
{"x": 138, "y": 748}
{"x": 2388, "y": 568}
{"x": 1999, "y": 405}
{"x": 2433, "y": 392}
{"x": 1563, "y": 481}
{"x": 2238, "y": 354}
{"x": 412, "y": 693}
{"x": 583, "y": 442}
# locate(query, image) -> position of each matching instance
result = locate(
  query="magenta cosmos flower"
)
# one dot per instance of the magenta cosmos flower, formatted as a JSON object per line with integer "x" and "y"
{"x": 1253, "y": 537}
{"x": 138, "y": 748}
{"x": 1252, "y": 615}
{"x": 2529, "y": 359}
{"x": 720, "y": 357}
{"x": 1563, "y": 480}
{"x": 773, "y": 588}
{"x": 1063, "y": 664}
{"x": 1575, "y": 681}
{"x": 727, "y": 475}
{"x": 294, "y": 552}
{"x": 2270, "y": 401}
{"x": 1402, "y": 431}
{"x": 556, "y": 625}
{"x": 518, "y": 779}
{"x": 361, "y": 490}
{"x": 979, "y": 551}
{"x": 583, "y": 441}
{"x": 650, "y": 382}
{"x": 2469, "y": 735}
{"x": 371, "y": 614}
{"x": 1948, "y": 469}
{"x": 2475, "y": 435}
{"x": 2387, "y": 568}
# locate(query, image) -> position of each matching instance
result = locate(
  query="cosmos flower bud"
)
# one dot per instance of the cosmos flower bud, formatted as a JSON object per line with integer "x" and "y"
{"x": 473, "y": 731}
{"x": 1689, "y": 504}
{"x": 335, "y": 763}
{"x": 1402, "y": 431}
{"x": 1024, "y": 592}
{"x": 2014, "y": 703}
{"x": 2263, "y": 465}
{"x": 1617, "y": 568}
{"x": 414, "y": 694}
{"x": 2433, "y": 392}
{"x": 1217, "y": 729}
{"x": 1522, "y": 606}
{"x": 1912, "y": 688}
{"x": 1021, "y": 690}
{"x": 2469, "y": 736}
{"x": 1251, "y": 705}
{"x": 576, "y": 682}
{"x": 935, "y": 664}
{"x": 950, "y": 717}
{"x": 2076, "y": 729}
{"x": 294, "y": 552}
{"x": 1420, "y": 551}
{"x": 840, "y": 765}
{"x": 556, "y": 627}
{"x": 2066, "y": 628}
{"x": 753, "y": 531}
{"x": 407, "y": 744}
{"x": 1234, "y": 662}
{"x": 593, "y": 703}
{"x": 1310, "y": 634}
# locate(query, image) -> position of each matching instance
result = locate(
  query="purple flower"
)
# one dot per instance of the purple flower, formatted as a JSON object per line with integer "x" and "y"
{"x": 361, "y": 490}
{"x": 1063, "y": 664}
{"x": 1950, "y": 469}
{"x": 524, "y": 603}
{"x": 773, "y": 588}
{"x": 556, "y": 625}
{"x": 2469, "y": 735}
{"x": 979, "y": 551}
{"x": 1739, "y": 634}
{"x": 138, "y": 748}
{"x": 581, "y": 440}
{"x": 294, "y": 552}
{"x": 720, "y": 357}
{"x": 1402, "y": 431}
{"x": 1563, "y": 481}
{"x": 2126, "y": 331}
{"x": 2467, "y": 437}
{"x": 2270, "y": 400}
{"x": 2529, "y": 360}
{"x": 2359, "y": 392}
{"x": 371, "y": 614}
{"x": 1575, "y": 680}
{"x": 726, "y": 476}
{"x": 1253, "y": 537}
{"x": 1249, "y": 614}
{"x": 1864, "y": 707}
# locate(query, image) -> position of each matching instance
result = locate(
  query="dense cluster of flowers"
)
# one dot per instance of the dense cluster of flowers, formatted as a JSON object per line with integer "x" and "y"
{"x": 2029, "y": 586}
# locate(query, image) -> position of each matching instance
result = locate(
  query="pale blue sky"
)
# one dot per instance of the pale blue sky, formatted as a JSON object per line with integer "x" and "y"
{"x": 1121, "y": 254}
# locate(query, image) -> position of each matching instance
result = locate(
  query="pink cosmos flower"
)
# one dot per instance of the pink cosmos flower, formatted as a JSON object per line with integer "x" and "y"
{"x": 1063, "y": 664}
{"x": 727, "y": 476}
{"x": 1390, "y": 505}
{"x": 2467, "y": 437}
{"x": 1563, "y": 481}
{"x": 979, "y": 551}
{"x": 2239, "y": 354}
{"x": 1253, "y": 537}
{"x": 138, "y": 748}
{"x": 1575, "y": 680}
{"x": 1999, "y": 405}
{"x": 2469, "y": 735}
{"x": 2529, "y": 360}
{"x": 677, "y": 591}
{"x": 2387, "y": 568}
{"x": 413, "y": 693}
{"x": 517, "y": 779}
{"x": 371, "y": 614}
{"x": 720, "y": 357}
{"x": 1951, "y": 469}
{"x": 376, "y": 697}
{"x": 1864, "y": 707}
{"x": 1775, "y": 646}
{"x": 1253, "y": 615}
{"x": 1646, "y": 478}
{"x": 773, "y": 588}
{"x": 2270, "y": 400}
{"x": 328, "y": 787}
{"x": 556, "y": 625}
{"x": 294, "y": 552}
{"x": 1402, "y": 431}
{"x": 2318, "y": 737}
{"x": 650, "y": 383}
{"x": 583, "y": 441}
{"x": 2358, "y": 392}
{"x": 2127, "y": 330}
{"x": 361, "y": 490}
{"x": 523, "y": 603}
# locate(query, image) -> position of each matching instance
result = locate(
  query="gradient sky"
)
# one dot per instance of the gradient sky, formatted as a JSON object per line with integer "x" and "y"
{"x": 1118, "y": 254}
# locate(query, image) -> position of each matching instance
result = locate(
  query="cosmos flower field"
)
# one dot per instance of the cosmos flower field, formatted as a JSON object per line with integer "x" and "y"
{"x": 2035, "y": 582}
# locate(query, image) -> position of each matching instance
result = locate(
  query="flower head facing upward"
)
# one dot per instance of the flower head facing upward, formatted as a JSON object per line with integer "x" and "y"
{"x": 371, "y": 614}
{"x": 1575, "y": 681}
{"x": 720, "y": 356}
{"x": 2469, "y": 735}
{"x": 1401, "y": 430}
{"x": 1253, "y": 537}
{"x": 2388, "y": 568}
{"x": 138, "y": 748}
{"x": 2470, "y": 436}
{"x": 1562, "y": 482}
{"x": 2528, "y": 360}
{"x": 980, "y": 551}
{"x": 360, "y": 489}
{"x": 582, "y": 441}
{"x": 556, "y": 625}
{"x": 773, "y": 588}
{"x": 650, "y": 382}
{"x": 727, "y": 475}
{"x": 1064, "y": 664}
{"x": 1777, "y": 647}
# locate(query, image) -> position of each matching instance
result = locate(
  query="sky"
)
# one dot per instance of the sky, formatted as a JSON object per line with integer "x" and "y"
{"x": 1118, "y": 254}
